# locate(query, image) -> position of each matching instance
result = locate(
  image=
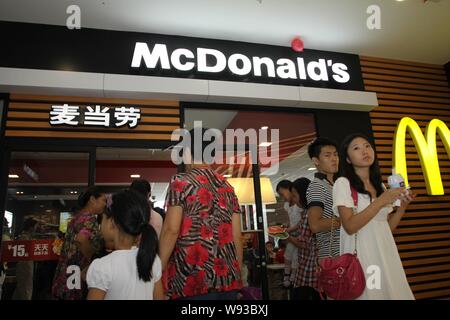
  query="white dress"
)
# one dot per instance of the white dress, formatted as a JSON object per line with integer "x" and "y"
{"x": 291, "y": 251}
{"x": 377, "y": 251}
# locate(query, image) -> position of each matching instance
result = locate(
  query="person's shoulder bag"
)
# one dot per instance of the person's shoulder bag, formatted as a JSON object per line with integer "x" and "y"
{"x": 342, "y": 277}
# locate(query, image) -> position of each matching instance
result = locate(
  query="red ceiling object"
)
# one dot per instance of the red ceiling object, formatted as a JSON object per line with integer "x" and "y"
{"x": 297, "y": 44}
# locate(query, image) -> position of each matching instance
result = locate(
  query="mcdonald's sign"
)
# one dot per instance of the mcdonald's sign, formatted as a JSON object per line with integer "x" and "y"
{"x": 426, "y": 148}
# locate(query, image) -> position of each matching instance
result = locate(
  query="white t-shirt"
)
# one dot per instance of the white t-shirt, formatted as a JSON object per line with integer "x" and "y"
{"x": 294, "y": 213}
{"x": 156, "y": 221}
{"x": 117, "y": 274}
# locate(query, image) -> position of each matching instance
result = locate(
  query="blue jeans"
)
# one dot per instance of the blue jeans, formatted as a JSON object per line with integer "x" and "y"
{"x": 228, "y": 295}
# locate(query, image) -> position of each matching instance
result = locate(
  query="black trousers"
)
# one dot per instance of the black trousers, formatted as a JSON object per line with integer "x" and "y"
{"x": 305, "y": 293}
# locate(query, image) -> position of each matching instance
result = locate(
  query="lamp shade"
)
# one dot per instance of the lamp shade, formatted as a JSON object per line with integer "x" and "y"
{"x": 244, "y": 189}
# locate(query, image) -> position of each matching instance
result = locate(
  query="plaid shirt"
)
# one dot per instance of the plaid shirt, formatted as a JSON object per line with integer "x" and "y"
{"x": 306, "y": 274}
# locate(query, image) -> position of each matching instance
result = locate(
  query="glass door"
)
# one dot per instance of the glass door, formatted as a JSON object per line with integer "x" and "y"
{"x": 116, "y": 168}
{"x": 283, "y": 136}
{"x": 43, "y": 188}
{"x": 239, "y": 165}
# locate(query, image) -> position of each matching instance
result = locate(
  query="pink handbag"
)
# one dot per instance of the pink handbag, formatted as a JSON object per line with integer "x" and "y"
{"x": 342, "y": 278}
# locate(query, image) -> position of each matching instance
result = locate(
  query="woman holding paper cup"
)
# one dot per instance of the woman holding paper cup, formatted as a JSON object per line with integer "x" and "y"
{"x": 368, "y": 218}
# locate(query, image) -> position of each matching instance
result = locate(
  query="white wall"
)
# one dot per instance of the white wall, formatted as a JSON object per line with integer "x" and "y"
{"x": 51, "y": 82}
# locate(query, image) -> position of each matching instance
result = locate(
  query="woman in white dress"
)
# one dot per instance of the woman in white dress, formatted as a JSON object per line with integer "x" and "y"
{"x": 372, "y": 221}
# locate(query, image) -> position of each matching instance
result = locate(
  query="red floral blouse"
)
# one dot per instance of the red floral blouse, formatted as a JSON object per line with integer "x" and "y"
{"x": 82, "y": 223}
{"x": 204, "y": 259}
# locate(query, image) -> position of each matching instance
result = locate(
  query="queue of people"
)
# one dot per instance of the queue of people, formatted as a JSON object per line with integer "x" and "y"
{"x": 123, "y": 249}
{"x": 348, "y": 210}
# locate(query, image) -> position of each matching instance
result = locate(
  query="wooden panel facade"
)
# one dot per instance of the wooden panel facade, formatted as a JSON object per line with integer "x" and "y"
{"x": 419, "y": 91}
{"x": 29, "y": 116}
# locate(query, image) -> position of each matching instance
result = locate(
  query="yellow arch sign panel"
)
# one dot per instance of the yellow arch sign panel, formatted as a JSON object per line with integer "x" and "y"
{"x": 426, "y": 148}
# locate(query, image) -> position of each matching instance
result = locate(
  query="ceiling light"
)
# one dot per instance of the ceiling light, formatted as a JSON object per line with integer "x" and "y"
{"x": 265, "y": 144}
{"x": 135, "y": 176}
{"x": 311, "y": 169}
{"x": 264, "y": 128}
{"x": 13, "y": 176}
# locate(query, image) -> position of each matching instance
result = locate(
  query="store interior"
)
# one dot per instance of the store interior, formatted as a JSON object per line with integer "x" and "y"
{"x": 45, "y": 185}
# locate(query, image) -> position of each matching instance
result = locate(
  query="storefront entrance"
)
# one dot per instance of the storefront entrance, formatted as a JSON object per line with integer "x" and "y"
{"x": 44, "y": 183}
{"x": 43, "y": 187}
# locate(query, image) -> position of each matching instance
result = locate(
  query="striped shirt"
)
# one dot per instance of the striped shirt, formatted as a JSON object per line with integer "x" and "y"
{"x": 320, "y": 194}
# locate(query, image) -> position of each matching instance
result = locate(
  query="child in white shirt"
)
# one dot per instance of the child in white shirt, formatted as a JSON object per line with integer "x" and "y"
{"x": 129, "y": 272}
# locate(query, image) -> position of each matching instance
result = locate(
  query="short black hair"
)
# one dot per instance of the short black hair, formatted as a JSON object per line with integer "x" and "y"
{"x": 285, "y": 184}
{"x": 142, "y": 186}
{"x": 301, "y": 185}
{"x": 316, "y": 146}
{"x": 84, "y": 197}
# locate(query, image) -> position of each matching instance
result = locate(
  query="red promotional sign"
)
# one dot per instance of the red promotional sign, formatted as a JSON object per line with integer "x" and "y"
{"x": 31, "y": 250}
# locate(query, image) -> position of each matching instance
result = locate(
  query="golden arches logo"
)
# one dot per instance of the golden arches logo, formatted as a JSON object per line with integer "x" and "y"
{"x": 426, "y": 148}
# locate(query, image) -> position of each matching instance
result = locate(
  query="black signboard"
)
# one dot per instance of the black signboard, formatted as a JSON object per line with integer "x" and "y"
{"x": 39, "y": 46}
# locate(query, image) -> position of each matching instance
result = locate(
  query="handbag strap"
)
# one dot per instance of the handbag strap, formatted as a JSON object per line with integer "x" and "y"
{"x": 355, "y": 203}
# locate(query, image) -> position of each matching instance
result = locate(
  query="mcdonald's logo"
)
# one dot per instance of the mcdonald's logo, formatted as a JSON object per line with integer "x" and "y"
{"x": 426, "y": 148}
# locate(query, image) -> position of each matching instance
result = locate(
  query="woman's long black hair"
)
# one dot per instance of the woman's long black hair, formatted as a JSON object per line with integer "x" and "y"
{"x": 301, "y": 185}
{"x": 346, "y": 169}
{"x": 131, "y": 213}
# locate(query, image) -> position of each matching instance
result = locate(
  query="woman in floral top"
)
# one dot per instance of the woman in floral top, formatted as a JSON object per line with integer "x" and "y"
{"x": 200, "y": 245}
{"x": 81, "y": 243}
{"x": 205, "y": 250}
